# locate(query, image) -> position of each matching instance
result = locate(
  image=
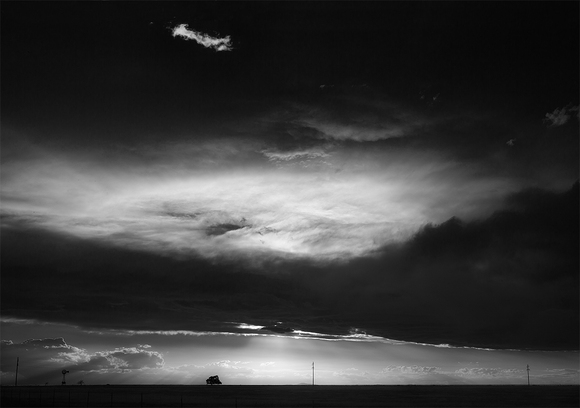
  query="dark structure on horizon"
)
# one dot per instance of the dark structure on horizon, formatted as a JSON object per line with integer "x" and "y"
{"x": 214, "y": 379}
{"x": 64, "y": 372}
{"x": 528, "y": 369}
{"x": 16, "y": 376}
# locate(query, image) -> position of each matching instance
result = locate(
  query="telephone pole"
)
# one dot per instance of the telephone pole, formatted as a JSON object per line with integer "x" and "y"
{"x": 528, "y": 368}
{"x": 313, "y": 373}
{"x": 64, "y": 373}
{"x": 16, "y": 378}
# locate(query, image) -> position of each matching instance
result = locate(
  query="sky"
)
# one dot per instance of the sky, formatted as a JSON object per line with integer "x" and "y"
{"x": 386, "y": 189}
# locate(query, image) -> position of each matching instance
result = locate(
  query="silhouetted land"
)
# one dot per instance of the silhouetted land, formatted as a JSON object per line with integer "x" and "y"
{"x": 290, "y": 396}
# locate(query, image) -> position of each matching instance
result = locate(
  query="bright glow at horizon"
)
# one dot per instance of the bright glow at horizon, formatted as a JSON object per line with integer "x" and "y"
{"x": 155, "y": 358}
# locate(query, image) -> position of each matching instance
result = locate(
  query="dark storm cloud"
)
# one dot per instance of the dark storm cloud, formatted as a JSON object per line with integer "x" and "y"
{"x": 130, "y": 168}
{"x": 506, "y": 280}
{"x": 510, "y": 280}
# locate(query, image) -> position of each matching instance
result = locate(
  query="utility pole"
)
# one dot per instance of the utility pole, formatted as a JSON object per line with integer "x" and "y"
{"x": 16, "y": 378}
{"x": 64, "y": 373}
{"x": 528, "y": 368}
{"x": 313, "y": 373}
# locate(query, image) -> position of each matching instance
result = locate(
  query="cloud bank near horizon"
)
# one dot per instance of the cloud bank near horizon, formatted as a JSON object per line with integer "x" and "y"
{"x": 42, "y": 360}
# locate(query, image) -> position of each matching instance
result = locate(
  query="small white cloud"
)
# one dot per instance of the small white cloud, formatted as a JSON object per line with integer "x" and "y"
{"x": 249, "y": 326}
{"x": 560, "y": 116}
{"x": 218, "y": 44}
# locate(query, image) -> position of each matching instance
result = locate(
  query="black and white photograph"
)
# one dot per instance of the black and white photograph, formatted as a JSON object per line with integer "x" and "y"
{"x": 232, "y": 197}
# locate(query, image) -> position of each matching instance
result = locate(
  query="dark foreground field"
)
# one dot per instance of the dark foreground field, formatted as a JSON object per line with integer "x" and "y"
{"x": 290, "y": 396}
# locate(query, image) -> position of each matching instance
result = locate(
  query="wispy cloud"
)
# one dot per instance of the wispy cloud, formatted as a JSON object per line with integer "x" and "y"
{"x": 358, "y": 120}
{"x": 560, "y": 116}
{"x": 415, "y": 369}
{"x": 178, "y": 206}
{"x": 360, "y": 132}
{"x": 307, "y": 153}
{"x": 489, "y": 372}
{"x": 218, "y": 44}
{"x": 352, "y": 373}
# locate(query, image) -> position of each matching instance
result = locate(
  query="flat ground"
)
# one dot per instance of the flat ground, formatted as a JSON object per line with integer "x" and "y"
{"x": 290, "y": 396}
